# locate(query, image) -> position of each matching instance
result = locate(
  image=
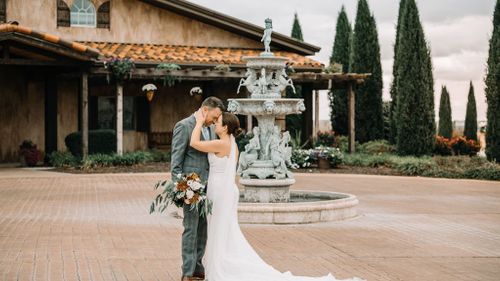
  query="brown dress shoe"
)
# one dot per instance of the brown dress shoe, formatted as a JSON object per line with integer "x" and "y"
{"x": 199, "y": 276}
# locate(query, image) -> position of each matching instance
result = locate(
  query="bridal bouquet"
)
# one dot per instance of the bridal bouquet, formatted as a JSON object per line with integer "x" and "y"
{"x": 187, "y": 189}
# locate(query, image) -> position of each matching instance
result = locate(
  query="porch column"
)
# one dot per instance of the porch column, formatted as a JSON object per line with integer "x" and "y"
{"x": 119, "y": 119}
{"x": 84, "y": 112}
{"x": 307, "y": 115}
{"x": 51, "y": 110}
{"x": 351, "y": 116}
{"x": 316, "y": 114}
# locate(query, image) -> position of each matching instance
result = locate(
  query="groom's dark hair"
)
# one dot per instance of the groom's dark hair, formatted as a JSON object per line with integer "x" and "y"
{"x": 214, "y": 102}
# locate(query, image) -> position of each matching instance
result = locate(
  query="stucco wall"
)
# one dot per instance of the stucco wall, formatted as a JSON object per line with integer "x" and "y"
{"x": 22, "y": 112}
{"x": 131, "y": 21}
{"x": 23, "y": 109}
{"x": 171, "y": 104}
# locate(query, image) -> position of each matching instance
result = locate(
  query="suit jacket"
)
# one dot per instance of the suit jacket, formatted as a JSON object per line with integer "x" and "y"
{"x": 186, "y": 159}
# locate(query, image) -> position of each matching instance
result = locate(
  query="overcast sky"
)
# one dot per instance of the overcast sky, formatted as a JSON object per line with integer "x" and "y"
{"x": 457, "y": 31}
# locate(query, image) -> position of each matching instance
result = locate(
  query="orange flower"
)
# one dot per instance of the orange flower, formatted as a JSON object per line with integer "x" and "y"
{"x": 193, "y": 176}
{"x": 182, "y": 186}
{"x": 195, "y": 198}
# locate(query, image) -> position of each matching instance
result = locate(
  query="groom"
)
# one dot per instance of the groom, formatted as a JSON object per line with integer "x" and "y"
{"x": 186, "y": 160}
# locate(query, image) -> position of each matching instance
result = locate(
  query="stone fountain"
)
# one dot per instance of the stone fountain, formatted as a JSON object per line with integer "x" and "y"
{"x": 263, "y": 165}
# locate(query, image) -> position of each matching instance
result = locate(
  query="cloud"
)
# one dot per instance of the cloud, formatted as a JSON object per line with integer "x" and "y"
{"x": 456, "y": 35}
{"x": 457, "y": 31}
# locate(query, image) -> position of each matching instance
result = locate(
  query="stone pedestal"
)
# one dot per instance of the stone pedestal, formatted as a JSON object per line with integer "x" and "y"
{"x": 267, "y": 191}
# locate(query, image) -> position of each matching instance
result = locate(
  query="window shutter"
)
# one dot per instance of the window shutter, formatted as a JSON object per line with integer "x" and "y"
{"x": 63, "y": 13}
{"x": 3, "y": 11}
{"x": 103, "y": 18}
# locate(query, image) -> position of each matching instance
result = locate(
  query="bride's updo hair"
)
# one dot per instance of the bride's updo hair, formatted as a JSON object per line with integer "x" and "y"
{"x": 232, "y": 122}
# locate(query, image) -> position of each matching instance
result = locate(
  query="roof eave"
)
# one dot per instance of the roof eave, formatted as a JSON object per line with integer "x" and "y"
{"x": 233, "y": 24}
{"x": 48, "y": 46}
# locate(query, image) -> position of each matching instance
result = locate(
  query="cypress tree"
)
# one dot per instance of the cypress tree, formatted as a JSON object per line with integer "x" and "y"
{"x": 429, "y": 117}
{"x": 294, "y": 121}
{"x": 470, "y": 128}
{"x": 493, "y": 90}
{"x": 340, "y": 54}
{"x": 296, "y": 29}
{"x": 386, "y": 110}
{"x": 366, "y": 59}
{"x": 393, "y": 128}
{"x": 445, "y": 123}
{"x": 414, "y": 83}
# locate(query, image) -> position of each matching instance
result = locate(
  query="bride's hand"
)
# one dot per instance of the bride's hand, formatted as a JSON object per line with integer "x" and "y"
{"x": 200, "y": 116}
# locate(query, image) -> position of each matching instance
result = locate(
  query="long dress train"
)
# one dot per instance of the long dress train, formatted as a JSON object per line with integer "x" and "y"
{"x": 229, "y": 256}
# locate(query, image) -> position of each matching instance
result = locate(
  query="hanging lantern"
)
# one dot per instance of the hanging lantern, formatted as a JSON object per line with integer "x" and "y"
{"x": 150, "y": 91}
{"x": 197, "y": 93}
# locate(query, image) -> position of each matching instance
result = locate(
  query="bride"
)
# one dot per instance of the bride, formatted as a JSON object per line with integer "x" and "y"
{"x": 228, "y": 255}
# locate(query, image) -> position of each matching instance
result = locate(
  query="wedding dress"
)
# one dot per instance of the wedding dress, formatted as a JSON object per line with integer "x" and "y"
{"x": 229, "y": 256}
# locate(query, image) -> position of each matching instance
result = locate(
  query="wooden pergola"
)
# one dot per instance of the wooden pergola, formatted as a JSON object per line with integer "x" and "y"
{"x": 330, "y": 81}
{"x": 312, "y": 82}
{"x": 23, "y": 47}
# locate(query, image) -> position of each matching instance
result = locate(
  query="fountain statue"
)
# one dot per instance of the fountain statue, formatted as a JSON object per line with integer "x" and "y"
{"x": 263, "y": 164}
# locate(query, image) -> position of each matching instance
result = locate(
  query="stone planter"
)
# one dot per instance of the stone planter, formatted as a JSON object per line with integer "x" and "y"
{"x": 323, "y": 163}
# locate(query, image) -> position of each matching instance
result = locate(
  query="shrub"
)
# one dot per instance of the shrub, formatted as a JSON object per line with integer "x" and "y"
{"x": 342, "y": 142}
{"x": 366, "y": 160}
{"x": 442, "y": 146}
{"x": 486, "y": 172}
{"x": 301, "y": 158}
{"x": 30, "y": 152}
{"x": 63, "y": 159}
{"x": 106, "y": 160}
{"x": 462, "y": 146}
{"x": 326, "y": 138}
{"x": 413, "y": 166}
{"x": 100, "y": 142}
{"x": 160, "y": 155}
{"x": 377, "y": 147}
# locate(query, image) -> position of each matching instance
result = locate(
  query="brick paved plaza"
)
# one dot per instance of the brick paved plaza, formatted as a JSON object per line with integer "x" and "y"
{"x": 56, "y": 226}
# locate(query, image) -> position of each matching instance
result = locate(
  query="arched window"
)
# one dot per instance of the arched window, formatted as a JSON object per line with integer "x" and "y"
{"x": 83, "y": 13}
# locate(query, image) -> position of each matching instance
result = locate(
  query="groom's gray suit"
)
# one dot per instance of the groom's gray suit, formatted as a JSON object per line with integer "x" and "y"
{"x": 185, "y": 160}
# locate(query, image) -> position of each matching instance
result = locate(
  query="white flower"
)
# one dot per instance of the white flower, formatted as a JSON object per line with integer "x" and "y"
{"x": 189, "y": 194}
{"x": 196, "y": 186}
{"x": 190, "y": 183}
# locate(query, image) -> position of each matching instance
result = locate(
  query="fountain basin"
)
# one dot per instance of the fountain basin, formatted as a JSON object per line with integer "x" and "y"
{"x": 267, "y": 61}
{"x": 304, "y": 207}
{"x": 266, "y": 106}
{"x": 267, "y": 191}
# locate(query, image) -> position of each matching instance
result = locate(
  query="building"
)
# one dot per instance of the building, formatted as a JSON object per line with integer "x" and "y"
{"x": 53, "y": 79}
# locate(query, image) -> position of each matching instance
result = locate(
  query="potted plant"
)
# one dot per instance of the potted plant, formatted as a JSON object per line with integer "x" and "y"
{"x": 326, "y": 138}
{"x": 29, "y": 153}
{"x": 196, "y": 93}
{"x": 168, "y": 78}
{"x": 119, "y": 68}
{"x": 327, "y": 157}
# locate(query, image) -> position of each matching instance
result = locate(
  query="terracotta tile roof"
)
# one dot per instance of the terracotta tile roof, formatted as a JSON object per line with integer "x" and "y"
{"x": 190, "y": 54}
{"x": 14, "y": 27}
